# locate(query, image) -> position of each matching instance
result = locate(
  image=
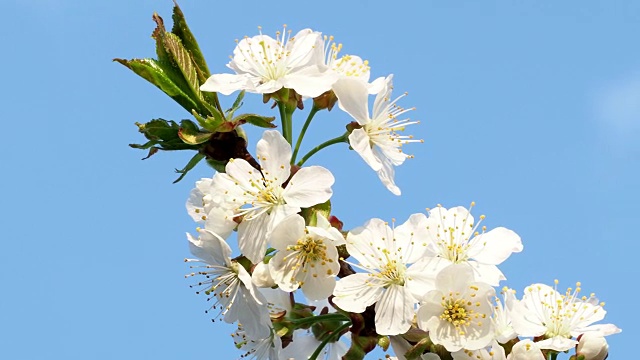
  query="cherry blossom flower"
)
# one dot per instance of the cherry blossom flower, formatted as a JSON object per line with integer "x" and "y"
{"x": 454, "y": 239}
{"x": 307, "y": 257}
{"x": 349, "y": 66}
{"x": 226, "y": 282}
{"x": 258, "y": 196}
{"x": 378, "y": 141}
{"x": 527, "y": 350}
{"x": 390, "y": 281}
{"x": 543, "y": 311}
{"x": 265, "y": 65}
{"x": 458, "y": 312}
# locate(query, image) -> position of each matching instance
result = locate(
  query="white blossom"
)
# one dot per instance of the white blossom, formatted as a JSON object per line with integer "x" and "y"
{"x": 307, "y": 257}
{"x": 543, "y": 311}
{"x": 527, "y": 350}
{"x": 394, "y": 278}
{"x": 378, "y": 141}
{"x": 258, "y": 196}
{"x": 226, "y": 282}
{"x": 458, "y": 312}
{"x": 265, "y": 65}
{"x": 455, "y": 239}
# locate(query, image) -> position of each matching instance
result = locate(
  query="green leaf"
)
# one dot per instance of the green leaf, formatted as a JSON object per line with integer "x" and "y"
{"x": 211, "y": 123}
{"x": 152, "y": 71}
{"x": 236, "y": 104}
{"x": 190, "y": 165}
{"x": 181, "y": 29}
{"x": 257, "y": 120}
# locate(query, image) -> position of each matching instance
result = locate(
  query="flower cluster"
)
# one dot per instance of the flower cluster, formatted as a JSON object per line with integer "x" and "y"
{"x": 427, "y": 285}
{"x": 302, "y": 287}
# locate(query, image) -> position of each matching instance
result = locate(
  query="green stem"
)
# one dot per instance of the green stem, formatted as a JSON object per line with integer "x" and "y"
{"x": 552, "y": 355}
{"x": 286, "y": 122}
{"x": 312, "y": 113}
{"x": 340, "y": 139}
{"x": 319, "y": 318}
{"x": 332, "y": 337}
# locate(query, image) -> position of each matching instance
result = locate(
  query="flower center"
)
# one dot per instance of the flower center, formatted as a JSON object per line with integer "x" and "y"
{"x": 310, "y": 249}
{"x": 393, "y": 273}
{"x": 455, "y": 312}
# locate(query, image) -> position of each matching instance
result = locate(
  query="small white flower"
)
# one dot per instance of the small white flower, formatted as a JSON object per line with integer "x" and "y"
{"x": 458, "y": 312}
{"x": 349, "y": 66}
{"x": 258, "y": 196}
{"x": 454, "y": 239}
{"x": 390, "y": 282}
{"x": 227, "y": 282}
{"x": 307, "y": 257}
{"x": 202, "y": 210}
{"x": 378, "y": 142}
{"x": 543, "y": 311}
{"x": 526, "y": 350}
{"x": 592, "y": 346}
{"x": 265, "y": 65}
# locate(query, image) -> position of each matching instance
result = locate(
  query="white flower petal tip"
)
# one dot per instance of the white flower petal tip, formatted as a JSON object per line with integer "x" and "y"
{"x": 378, "y": 141}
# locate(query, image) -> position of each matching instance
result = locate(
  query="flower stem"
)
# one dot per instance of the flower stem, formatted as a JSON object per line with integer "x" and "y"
{"x": 332, "y": 337}
{"x": 344, "y": 138}
{"x": 312, "y": 113}
{"x": 285, "y": 118}
{"x": 315, "y": 319}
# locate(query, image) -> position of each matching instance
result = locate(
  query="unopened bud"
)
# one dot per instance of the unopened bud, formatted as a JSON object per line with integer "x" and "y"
{"x": 592, "y": 346}
{"x": 261, "y": 276}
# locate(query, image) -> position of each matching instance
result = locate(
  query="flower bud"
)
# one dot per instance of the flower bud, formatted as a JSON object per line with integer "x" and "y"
{"x": 261, "y": 276}
{"x": 592, "y": 346}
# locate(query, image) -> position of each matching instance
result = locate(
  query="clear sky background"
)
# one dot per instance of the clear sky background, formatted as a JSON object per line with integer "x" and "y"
{"x": 529, "y": 108}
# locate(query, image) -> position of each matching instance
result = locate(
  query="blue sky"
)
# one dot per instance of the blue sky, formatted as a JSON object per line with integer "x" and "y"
{"x": 531, "y": 109}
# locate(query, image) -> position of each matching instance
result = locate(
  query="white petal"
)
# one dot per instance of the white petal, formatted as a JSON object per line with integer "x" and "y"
{"x": 302, "y": 48}
{"x": 383, "y": 97}
{"x": 386, "y": 174}
{"x": 488, "y": 274}
{"x": 220, "y": 221}
{"x": 287, "y": 232}
{"x": 261, "y": 276}
{"x": 526, "y": 350}
{"x": 361, "y": 143}
{"x": 394, "y": 311}
{"x": 309, "y": 81}
{"x": 226, "y": 84}
{"x": 252, "y": 237}
{"x": 317, "y": 288}
{"x": 353, "y": 98}
{"x": 411, "y": 237}
{"x": 495, "y": 246}
{"x": 355, "y": 292}
{"x": 210, "y": 247}
{"x": 274, "y": 154}
{"x": 309, "y": 186}
{"x": 557, "y": 343}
